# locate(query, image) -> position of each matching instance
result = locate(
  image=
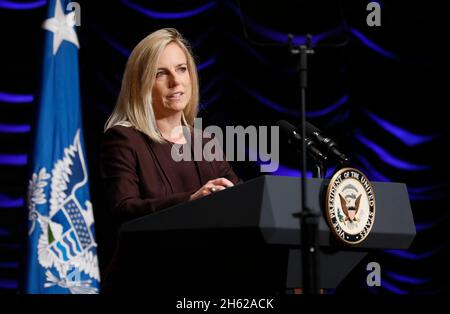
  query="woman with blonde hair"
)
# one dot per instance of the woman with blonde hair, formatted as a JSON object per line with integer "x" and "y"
{"x": 159, "y": 95}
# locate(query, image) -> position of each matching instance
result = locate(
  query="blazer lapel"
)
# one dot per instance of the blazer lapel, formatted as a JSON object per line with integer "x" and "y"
{"x": 157, "y": 151}
{"x": 204, "y": 167}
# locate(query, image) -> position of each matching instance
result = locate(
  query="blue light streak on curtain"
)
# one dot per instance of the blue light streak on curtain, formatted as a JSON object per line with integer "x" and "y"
{"x": 13, "y": 159}
{"x": 329, "y": 109}
{"x": 14, "y": 128}
{"x": 388, "y": 158}
{"x": 421, "y": 227}
{"x": 11, "y": 265}
{"x": 8, "y": 202}
{"x": 410, "y": 255}
{"x": 113, "y": 43}
{"x": 290, "y": 172}
{"x": 372, "y": 173}
{"x": 268, "y": 103}
{"x": 373, "y": 46}
{"x": 4, "y": 232}
{"x": 403, "y": 135}
{"x": 297, "y": 40}
{"x": 406, "y": 279}
{"x": 16, "y": 98}
{"x": 207, "y": 63}
{"x": 8, "y": 284}
{"x": 168, "y": 15}
{"x": 11, "y": 5}
{"x": 283, "y": 37}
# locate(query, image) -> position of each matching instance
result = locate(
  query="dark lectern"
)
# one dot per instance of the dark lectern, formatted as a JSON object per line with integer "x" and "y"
{"x": 246, "y": 240}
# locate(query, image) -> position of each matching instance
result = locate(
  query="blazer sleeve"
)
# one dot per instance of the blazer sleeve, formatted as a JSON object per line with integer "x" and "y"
{"x": 121, "y": 180}
{"x": 224, "y": 169}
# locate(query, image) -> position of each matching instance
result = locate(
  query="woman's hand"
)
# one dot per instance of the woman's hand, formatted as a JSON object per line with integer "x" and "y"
{"x": 212, "y": 186}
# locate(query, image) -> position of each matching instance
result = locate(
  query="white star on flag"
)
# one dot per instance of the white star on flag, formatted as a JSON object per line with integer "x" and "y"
{"x": 62, "y": 27}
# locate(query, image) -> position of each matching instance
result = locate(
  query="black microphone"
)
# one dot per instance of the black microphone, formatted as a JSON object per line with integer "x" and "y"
{"x": 294, "y": 137}
{"x": 326, "y": 143}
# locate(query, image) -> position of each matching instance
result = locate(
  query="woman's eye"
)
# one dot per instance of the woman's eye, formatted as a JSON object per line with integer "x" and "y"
{"x": 159, "y": 73}
{"x": 182, "y": 69}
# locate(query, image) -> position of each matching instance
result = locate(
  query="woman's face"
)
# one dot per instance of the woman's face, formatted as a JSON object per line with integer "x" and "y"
{"x": 172, "y": 89}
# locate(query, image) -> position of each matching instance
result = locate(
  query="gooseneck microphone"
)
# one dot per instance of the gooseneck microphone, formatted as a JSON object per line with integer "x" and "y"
{"x": 330, "y": 147}
{"x": 295, "y": 138}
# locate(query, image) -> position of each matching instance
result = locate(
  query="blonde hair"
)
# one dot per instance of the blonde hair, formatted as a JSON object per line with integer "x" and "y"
{"x": 134, "y": 104}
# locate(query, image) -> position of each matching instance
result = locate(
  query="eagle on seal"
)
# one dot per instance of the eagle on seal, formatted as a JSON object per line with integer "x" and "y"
{"x": 350, "y": 211}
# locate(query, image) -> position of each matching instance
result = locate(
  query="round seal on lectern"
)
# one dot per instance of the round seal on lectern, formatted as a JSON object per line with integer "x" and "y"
{"x": 350, "y": 205}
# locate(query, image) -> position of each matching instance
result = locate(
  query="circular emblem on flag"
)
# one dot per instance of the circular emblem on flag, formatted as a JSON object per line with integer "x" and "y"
{"x": 350, "y": 205}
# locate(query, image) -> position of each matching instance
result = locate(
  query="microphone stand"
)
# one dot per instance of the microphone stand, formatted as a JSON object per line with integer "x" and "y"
{"x": 319, "y": 170}
{"x": 308, "y": 217}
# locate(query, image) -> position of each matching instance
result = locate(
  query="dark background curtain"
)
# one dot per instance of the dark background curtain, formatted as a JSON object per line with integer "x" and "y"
{"x": 378, "y": 91}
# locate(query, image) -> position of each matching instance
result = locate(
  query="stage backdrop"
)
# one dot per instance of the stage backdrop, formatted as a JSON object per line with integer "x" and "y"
{"x": 375, "y": 89}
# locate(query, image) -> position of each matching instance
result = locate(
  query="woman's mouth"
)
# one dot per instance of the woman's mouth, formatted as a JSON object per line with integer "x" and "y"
{"x": 175, "y": 96}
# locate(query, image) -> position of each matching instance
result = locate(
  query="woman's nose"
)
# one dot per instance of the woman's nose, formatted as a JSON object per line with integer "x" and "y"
{"x": 174, "y": 79}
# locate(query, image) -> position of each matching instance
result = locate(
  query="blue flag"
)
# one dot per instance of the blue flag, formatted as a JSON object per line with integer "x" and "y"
{"x": 62, "y": 252}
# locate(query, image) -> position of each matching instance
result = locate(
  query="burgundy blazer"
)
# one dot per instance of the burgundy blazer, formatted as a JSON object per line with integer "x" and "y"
{"x": 139, "y": 180}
